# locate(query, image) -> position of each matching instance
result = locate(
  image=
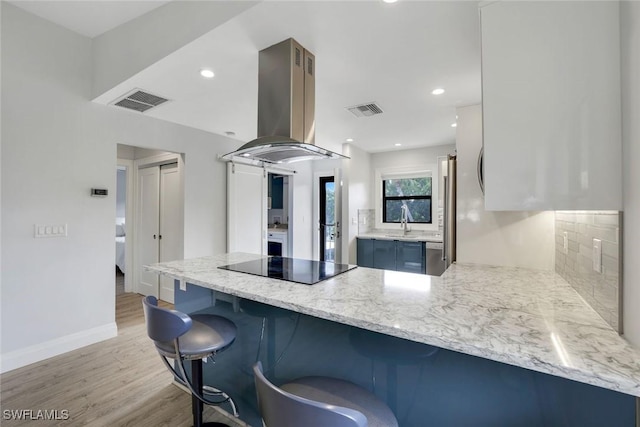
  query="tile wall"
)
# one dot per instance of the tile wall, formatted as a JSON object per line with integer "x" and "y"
{"x": 366, "y": 220}
{"x": 575, "y": 264}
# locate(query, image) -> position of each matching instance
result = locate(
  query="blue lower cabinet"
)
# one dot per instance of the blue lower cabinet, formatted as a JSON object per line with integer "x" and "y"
{"x": 411, "y": 257}
{"x": 365, "y": 252}
{"x": 394, "y": 255}
{"x": 384, "y": 254}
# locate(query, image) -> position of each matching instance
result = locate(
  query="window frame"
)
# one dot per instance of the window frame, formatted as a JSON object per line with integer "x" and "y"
{"x": 425, "y": 170}
{"x": 385, "y": 198}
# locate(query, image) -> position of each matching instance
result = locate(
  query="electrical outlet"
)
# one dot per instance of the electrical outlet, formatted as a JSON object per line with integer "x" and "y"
{"x": 565, "y": 242}
{"x": 597, "y": 255}
{"x": 183, "y": 285}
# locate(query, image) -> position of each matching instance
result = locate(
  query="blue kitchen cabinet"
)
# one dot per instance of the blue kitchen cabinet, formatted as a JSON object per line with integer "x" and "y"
{"x": 396, "y": 255}
{"x": 411, "y": 257}
{"x": 384, "y": 254}
{"x": 365, "y": 252}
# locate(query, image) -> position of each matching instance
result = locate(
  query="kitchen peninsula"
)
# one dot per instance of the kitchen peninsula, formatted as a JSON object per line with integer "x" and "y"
{"x": 477, "y": 315}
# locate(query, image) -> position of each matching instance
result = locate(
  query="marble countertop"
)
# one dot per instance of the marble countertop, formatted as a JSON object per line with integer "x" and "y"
{"x": 397, "y": 235}
{"x": 277, "y": 230}
{"x": 527, "y": 318}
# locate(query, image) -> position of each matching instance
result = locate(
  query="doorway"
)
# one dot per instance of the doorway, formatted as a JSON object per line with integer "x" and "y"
{"x": 121, "y": 214}
{"x": 260, "y": 210}
{"x": 154, "y": 196}
{"x": 327, "y": 219}
{"x": 159, "y": 225}
{"x": 124, "y": 225}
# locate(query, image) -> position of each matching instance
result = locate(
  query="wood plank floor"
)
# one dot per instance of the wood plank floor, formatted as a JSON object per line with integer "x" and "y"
{"x": 118, "y": 382}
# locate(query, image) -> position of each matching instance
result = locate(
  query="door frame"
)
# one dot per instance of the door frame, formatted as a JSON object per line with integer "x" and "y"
{"x": 128, "y": 224}
{"x": 316, "y": 209}
{"x": 290, "y": 174}
{"x": 156, "y": 160}
{"x": 322, "y": 203}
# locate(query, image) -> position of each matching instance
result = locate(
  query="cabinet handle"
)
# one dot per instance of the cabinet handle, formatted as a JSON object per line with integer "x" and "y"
{"x": 160, "y": 236}
{"x": 154, "y": 237}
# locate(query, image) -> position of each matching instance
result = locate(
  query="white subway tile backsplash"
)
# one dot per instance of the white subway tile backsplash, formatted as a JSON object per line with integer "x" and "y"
{"x": 366, "y": 220}
{"x": 600, "y": 290}
{"x": 610, "y": 249}
{"x": 604, "y": 219}
{"x": 604, "y": 233}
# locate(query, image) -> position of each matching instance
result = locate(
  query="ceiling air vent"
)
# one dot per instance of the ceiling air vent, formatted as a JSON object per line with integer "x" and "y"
{"x": 139, "y": 100}
{"x": 365, "y": 110}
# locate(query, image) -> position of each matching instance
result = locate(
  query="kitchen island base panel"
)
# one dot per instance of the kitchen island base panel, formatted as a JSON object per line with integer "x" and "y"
{"x": 447, "y": 389}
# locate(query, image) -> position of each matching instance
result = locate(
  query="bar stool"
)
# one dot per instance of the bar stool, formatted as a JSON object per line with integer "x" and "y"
{"x": 319, "y": 402}
{"x": 393, "y": 352}
{"x": 181, "y": 337}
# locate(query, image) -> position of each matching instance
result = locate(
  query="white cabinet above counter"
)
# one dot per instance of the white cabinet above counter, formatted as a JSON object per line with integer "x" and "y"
{"x": 551, "y": 105}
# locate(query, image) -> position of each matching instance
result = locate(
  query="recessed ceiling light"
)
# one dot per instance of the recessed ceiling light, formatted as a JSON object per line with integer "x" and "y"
{"x": 438, "y": 91}
{"x": 246, "y": 154}
{"x": 206, "y": 73}
{"x": 389, "y": 1}
{"x": 349, "y": 140}
{"x": 453, "y": 125}
{"x": 397, "y": 144}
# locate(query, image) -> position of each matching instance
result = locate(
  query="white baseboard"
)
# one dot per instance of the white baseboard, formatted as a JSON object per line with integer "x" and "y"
{"x": 35, "y": 353}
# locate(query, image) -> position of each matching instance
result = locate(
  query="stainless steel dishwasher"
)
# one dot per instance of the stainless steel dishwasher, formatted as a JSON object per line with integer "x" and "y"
{"x": 435, "y": 264}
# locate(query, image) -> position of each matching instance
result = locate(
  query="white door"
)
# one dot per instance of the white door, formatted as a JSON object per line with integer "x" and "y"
{"x": 148, "y": 226}
{"x": 170, "y": 224}
{"x": 246, "y": 209}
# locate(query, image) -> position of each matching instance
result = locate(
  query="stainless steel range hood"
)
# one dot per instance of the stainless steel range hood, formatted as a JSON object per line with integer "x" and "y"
{"x": 286, "y": 108}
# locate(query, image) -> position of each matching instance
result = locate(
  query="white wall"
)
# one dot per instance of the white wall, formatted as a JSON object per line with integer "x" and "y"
{"x": 413, "y": 157}
{"x": 517, "y": 239}
{"x": 301, "y": 226}
{"x": 121, "y": 193}
{"x": 357, "y": 177}
{"x": 58, "y": 293}
{"x": 630, "y": 38}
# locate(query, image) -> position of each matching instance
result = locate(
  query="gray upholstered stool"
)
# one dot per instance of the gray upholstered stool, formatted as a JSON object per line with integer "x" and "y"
{"x": 393, "y": 352}
{"x": 319, "y": 402}
{"x": 182, "y": 337}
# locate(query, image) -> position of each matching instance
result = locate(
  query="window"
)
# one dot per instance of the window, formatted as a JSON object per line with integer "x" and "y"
{"x": 414, "y": 193}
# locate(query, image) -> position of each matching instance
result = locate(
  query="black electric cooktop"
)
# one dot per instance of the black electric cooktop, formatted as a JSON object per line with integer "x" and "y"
{"x": 290, "y": 269}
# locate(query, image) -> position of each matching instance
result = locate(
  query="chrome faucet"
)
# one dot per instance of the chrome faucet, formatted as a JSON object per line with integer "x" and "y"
{"x": 403, "y": 219}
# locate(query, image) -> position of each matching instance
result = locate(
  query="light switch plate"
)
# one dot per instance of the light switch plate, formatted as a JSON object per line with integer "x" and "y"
{"x": 597, "y": 255}
{"x": 41, "y": 230}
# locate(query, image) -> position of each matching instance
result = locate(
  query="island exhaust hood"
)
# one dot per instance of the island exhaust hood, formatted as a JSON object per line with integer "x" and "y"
{"x": 286, "y": 108}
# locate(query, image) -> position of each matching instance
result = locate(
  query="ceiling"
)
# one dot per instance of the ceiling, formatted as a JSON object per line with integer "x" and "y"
{"x": 88, "y": 17}
{"x": 392, "y": 54}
